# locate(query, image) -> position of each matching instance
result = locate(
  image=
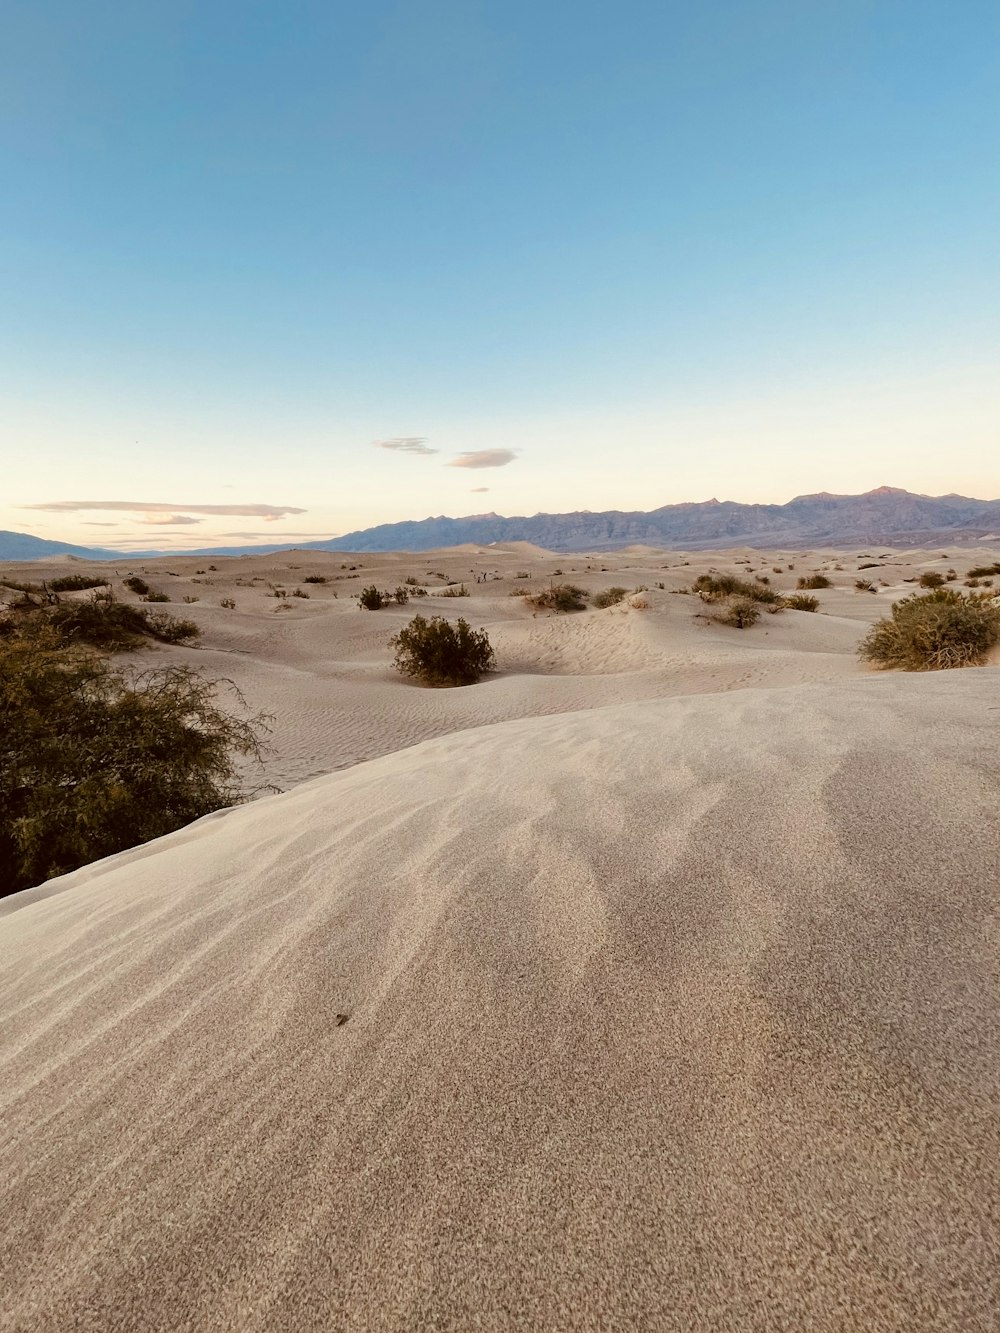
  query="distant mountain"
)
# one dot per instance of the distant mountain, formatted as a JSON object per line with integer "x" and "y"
{"x": 22, "y": 546}
{"x": 883, "y": 517}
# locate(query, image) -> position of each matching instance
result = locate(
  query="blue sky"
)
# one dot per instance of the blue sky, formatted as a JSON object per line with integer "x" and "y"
{"x": 644, "y": 253}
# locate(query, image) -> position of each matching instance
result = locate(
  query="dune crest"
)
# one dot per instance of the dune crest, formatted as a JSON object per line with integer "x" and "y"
{"x": 674, "y": 1015}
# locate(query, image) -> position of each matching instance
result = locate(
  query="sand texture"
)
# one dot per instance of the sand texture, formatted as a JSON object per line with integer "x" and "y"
{"x": 676, "y": 1009}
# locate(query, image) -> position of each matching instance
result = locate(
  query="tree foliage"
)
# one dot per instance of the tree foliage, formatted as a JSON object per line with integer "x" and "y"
{"x": 94, "y": 760}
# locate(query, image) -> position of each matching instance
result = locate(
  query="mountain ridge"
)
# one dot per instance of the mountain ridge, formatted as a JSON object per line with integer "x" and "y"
{"x": 887, "y": 515}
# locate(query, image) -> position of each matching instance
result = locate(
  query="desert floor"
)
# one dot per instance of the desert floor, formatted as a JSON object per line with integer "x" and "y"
{"x": 677, "y": 1008}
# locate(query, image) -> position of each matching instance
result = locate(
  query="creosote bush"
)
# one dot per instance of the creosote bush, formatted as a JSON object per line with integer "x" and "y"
{"x": 930, "y": 579}
{"x": 740, "y": 612}
{"x": 717, "y": 587}
{"x": 610, "y": 597}
{"x": 455, "y": 590}
{"x": 370, "y": 599}
{"x": 813, "y": 581}
{"x": 314, "y": 578}
{"x": 559, "y": 597}
{"x": 934, "y": 630}
{"x": 101, "y": 622}
{"x": 983, "y": 571}
{"x": 440, "y": 653}
{"x": 95, "y": 760}
{"x": 76, "y": 582}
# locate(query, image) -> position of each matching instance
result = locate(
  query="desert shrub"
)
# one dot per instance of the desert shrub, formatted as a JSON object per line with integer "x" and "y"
{"x": 864, "y": 585}
{"x": 929, "y": 579}
{"x": 610, "y": 597}
{"x": 717, "y": 587}
{"x": 314, "y": 578}
{"x": 951, "y": 576}
{"x": 560, "y": 597}
{"x": 522, "y": 574}
{"x": 401, "y": 596}
{"x": 455, "y": 590}
{"x": 299, "y": 592}
{"x": 95, "y": 760}
{"x": 800, "y": 601}
{"x": 192, "y": 599}
{"x": 228, "y": 603}
{"x": 102, "y": 622}
{"x": 157, "y": 597}
{"x": 519, "y": 592}
{"x": 814, "y": 581}
{"x": 370, "y": 599}
{"x": 934, "y": 630}
{"x": 870, "y": 566}
{"x": 741, "y": 612}
{"x": 983, "y": 571}
{"x": 137, "y": 584}
{"x": 76, "y": 583}
{"x": 411, "y": 580}
{"x": 440, "y": 653}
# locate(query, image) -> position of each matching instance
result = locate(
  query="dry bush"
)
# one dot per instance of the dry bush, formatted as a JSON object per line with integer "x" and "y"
{"x": 314, "y": 578}
{"x": 559, "y": 597}
{"x": 440, "y": 653}
{"x": 814, "y": 581}
{"x": 455, "y": 590}
{"x": 717, "y": 587}
{"x": 933, "y": 631}
{"x": 137, "y": 584}
{"x": 740, "y": 612}
{"x": 929, "y": 579}
{"x": 370, "y": 599}
{"x": 95, "y": 760}
{"x": 101, "y": 622}
{"x": 864, "y": 585}
{"x": 610, "y": 597}
{"x": 76, "y": 583}
{"x": 800, "y": 601}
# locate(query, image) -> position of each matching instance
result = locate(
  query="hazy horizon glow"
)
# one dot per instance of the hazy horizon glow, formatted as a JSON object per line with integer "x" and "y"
{"x": 591, "y": 259}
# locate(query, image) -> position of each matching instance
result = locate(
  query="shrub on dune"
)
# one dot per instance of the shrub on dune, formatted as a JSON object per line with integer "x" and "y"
{"x": 94, "y": 760}
{"x": 610, "y": 597}
{"x": 814, "y": 581}
{"x": 559, "y": 597}
{"x": 933, "y": 631}
{"x": 101, "y": 622}
{"x": 800, "y": 601}
{"x": 370, "y": 599}
{"x": 440, "y": 653}
{"x": 740, "y": 612}
{"x": 76, "y": 582}
{"x": 717, "y": 587}
{"x": 931, "y": 579}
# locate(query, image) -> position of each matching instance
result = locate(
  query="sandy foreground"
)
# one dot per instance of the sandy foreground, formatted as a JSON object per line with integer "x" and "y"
{"x": 675, "y": 1009}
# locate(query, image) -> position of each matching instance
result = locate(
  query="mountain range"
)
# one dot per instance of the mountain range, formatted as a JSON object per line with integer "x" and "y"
{"x": 884, "y": 516}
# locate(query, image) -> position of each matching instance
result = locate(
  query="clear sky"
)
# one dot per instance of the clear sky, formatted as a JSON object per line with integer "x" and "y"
{"x": 598, "y": 255}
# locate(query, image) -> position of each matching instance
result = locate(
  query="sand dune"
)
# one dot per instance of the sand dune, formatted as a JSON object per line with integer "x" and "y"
{"x": 678, "y": 1015}
{"x": 657, "y": 989}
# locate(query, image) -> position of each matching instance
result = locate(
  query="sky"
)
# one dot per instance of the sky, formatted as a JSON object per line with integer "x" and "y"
{"x": 279, "y": 271}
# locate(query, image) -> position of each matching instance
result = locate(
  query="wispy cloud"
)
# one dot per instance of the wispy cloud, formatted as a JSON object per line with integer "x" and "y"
{"x": 478, "y": 490}
{"x": 269, "y": 513}
{"x": 406, "y": 444}
{"x": 92, "y": 524}
{"x": 169, "y": 520}
{"x": 483, "y": 458}
{"x": 316, "y": 536}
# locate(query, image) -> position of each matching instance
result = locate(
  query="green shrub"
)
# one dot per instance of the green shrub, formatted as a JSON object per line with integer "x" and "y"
{"x": 610, "y": 597}
{"x": 137, "y": 584}
{"x": 933, "y": 631}
{"x": 813, "y": 581}
{"x": 455, "y": 590}
{"x": 800, "y": 601}
{"x": 440, "y": 653}
{"x": 102, "y": 622}
{"x": 76, "y": 583}
{"x": 370, "y": 599}
{"x": 717, "y": 587}
{"x": 94, "y": 760}
{"x": 929, "y": 579}
{"x": 983, "y": 571}
{"x": 560, "y": 597}
{"x": 401, "y": 596}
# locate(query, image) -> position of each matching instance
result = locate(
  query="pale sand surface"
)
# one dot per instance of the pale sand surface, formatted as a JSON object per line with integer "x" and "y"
{"x": 677, "y": 1015}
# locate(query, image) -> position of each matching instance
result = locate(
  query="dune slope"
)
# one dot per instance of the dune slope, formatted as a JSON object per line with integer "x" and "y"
{"x": 680, "y": 1015}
